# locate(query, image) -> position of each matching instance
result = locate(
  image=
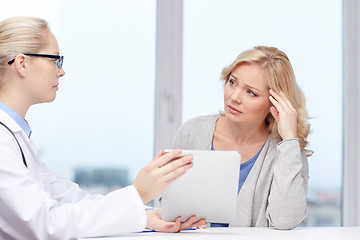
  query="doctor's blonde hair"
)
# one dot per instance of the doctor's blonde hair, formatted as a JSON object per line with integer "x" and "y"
{"x": 20, "y": 35}
{"x": 280, "y": 76}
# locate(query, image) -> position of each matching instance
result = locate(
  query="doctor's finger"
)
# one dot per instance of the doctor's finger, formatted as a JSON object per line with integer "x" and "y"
{"x": 176, "y": 226}
{"x": 199, "y": 224}
{"x": 159, "y": 154}
{"x": 176, "y": 173}
{"x": 163, "y": 158}
{"x": 188, "y": 223}
{"x": 175, "y": 164}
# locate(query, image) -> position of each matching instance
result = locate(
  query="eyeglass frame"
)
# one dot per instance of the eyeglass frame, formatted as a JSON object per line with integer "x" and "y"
{"x": 59, "y": 63}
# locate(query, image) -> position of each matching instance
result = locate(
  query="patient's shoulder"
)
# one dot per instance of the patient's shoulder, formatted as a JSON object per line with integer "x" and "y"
{"x": 201, "y": 122}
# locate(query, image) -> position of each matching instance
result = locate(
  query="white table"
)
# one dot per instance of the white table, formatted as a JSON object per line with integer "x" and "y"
{"x": 301, "y": 233}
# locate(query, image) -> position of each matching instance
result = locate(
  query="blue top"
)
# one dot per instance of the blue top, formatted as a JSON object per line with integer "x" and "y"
{"x": 22, "y": 122}
{"x": 245, "y": 169}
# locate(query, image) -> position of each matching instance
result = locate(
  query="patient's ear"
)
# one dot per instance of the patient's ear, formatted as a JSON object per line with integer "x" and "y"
{"x": 21, "y": 64}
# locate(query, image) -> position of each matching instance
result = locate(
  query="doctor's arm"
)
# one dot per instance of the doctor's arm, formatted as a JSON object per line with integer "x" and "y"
{"x": 151, "y": 180}
{"x": 30, "y": 212}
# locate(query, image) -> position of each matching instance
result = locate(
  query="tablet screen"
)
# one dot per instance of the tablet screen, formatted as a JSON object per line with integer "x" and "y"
{"x": 208, "y": 190}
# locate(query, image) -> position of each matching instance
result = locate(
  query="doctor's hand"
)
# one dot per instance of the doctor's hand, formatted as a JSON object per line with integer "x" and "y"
{"x": 155, "y": 222}
{"x": 153, "y": 179}
{"x": 285, "y": 115}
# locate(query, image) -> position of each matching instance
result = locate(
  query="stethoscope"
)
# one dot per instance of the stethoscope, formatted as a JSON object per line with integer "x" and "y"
{"x": 22, "y": 153}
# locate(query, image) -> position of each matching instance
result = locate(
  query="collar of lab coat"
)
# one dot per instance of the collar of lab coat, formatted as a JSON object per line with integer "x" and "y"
{"x": 26, "y": 144}
{"x": 14, "y": 127}
{"x": 10, "y": 122}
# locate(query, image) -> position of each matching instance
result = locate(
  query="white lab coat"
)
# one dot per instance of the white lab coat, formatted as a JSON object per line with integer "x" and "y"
{"x": 36, "y": 204}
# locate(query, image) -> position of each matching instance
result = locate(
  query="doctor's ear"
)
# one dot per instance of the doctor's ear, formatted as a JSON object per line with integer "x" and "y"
{"x": 21, "y": 64}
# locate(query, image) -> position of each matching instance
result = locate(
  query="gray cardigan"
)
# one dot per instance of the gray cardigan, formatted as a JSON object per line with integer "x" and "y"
{"x": 274, "y": 193}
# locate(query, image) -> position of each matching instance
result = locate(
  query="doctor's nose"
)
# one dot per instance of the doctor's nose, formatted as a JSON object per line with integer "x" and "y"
{"x": 60, "y": 73}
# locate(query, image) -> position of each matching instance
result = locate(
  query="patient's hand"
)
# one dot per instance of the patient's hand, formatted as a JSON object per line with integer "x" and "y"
{"x": 155, "y": 222}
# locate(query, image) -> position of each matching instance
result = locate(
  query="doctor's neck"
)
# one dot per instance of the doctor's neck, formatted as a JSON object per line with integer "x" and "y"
{"x": 17, "y": 106}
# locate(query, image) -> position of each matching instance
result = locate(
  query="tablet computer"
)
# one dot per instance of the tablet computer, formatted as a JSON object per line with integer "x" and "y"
{"x": 208, "y": 190}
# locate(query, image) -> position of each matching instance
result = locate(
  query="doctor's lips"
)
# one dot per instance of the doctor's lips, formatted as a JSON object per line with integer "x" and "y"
{"x": 232, "y": 109}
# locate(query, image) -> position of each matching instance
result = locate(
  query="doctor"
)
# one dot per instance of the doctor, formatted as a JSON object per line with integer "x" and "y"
{"x": 34, "y": 202}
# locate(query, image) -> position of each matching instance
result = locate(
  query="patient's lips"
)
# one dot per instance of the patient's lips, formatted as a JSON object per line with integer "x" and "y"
{"x": 233, "y": 110}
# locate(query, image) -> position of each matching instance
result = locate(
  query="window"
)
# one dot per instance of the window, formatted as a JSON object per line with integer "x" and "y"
{"x": 313, "y": 43}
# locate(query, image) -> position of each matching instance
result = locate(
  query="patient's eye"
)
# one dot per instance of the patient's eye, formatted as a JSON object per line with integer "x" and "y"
{"x": 251, "y": 93}
{"x": 232, "y": 82}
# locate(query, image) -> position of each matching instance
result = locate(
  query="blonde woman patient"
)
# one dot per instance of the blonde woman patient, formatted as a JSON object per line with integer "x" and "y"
{"x": 35, "y": 202}
{"x": 264, "y": 119}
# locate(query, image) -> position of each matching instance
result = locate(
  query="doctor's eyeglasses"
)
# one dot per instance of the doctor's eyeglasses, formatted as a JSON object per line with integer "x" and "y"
{"x": 59, "y": 63}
